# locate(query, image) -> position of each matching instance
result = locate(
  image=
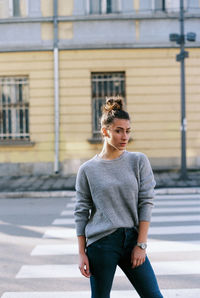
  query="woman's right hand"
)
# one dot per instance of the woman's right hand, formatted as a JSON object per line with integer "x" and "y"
{"x": 84, "y": 265}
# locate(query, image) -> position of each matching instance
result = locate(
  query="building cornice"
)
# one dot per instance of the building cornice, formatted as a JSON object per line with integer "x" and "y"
{"x": 107, "y": 17}
{"x": 95, "y": 47}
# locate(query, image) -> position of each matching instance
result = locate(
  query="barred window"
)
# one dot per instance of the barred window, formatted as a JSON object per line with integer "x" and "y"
{"x": 168, "y": 5}
{"x": 14, "y": 109}
{"x": 17, "y": 8}
{"x": 104, "y": 6}
{"x": 103, "y": 85}
{"x": 159, "y": 4}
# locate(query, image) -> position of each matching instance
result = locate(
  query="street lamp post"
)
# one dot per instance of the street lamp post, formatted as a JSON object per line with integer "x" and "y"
{"x": 180, "y": 39}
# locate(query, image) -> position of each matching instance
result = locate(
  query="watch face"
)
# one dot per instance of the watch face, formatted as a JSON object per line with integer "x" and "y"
{"x": 142, "y": 245}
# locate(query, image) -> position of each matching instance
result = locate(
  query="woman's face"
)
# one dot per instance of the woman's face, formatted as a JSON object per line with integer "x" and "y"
{"x": 119, "y": 133}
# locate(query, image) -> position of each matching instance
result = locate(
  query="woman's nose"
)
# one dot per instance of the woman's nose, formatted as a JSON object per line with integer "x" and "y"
{"x": 125, "y": 136}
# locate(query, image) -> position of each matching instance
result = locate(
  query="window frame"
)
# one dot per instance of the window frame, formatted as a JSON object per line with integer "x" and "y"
{"x": 96, "y": 134}
{"x": 14, "y": 110}
{"x": 11, "y": 9}
{"x": 103, "y": 6}
{"x": 168, "y": 6}
{"x": 156, "y": 9}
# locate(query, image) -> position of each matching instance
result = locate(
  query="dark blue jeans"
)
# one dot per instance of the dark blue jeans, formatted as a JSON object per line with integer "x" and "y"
{"x": 115, "y": 249}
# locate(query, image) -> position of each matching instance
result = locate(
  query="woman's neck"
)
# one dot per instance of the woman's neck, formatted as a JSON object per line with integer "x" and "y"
{"x": 110, "y": 152}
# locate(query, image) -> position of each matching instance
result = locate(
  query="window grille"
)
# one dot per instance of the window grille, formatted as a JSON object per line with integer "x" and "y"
{"x": 95, "y": 6}
{"x": 168, "y": 5}
{"x": 103, "y": 85}
{"x": 14, "y": 109}
{"x": 159, "y": 5}
{"x": 16, "y": 8}
{"x": 104, "y": 6}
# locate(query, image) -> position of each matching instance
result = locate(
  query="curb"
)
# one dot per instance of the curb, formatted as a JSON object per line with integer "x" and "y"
{"x": 69, "y": 194}
{"x": 37, "y": 194}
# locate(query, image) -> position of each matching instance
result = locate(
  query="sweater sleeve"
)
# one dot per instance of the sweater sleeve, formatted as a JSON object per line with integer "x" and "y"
{"x": 83, "y": 202}
{"x": 146, "y": 189}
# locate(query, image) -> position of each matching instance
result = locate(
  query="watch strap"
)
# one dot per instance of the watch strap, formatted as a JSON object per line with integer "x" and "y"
{"x": 142, "y": 245}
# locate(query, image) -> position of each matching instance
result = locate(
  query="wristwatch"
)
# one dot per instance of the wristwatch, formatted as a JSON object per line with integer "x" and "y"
{"x": 142, "y": 245}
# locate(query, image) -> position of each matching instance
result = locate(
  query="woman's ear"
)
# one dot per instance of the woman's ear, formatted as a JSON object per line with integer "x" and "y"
{"x": 105, "y": 132}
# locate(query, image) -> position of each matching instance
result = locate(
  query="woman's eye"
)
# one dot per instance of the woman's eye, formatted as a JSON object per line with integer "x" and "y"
{"x": 118, "y": 131}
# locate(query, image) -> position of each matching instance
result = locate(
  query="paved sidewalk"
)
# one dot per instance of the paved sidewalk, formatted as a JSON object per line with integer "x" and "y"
{"x": 170, "y": 179}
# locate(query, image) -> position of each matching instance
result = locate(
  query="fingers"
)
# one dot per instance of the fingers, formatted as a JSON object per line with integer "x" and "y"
{"x": 84, "y": 265}
{"x": 137, "y": 262}
{"x": 138, "y": 257}
{"x": 85, "y": 271}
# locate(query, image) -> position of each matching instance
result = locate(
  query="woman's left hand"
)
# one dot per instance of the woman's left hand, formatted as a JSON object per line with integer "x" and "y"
{"x": 138, "y": 256}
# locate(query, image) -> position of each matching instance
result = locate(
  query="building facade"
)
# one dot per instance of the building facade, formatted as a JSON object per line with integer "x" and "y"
{"x": 60, "y": 59}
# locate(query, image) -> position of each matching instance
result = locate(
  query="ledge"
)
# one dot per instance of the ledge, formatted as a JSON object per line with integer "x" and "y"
{"x": 102, "y": 17}
{"x": 62, "y": 47}
{"x": 18, "y": 143}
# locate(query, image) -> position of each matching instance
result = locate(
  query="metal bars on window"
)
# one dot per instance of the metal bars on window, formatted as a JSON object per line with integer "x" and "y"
{"x": 14, "y": 109}
{"x": 159, "y": 5}
{"x": 16, "y": 8}
{"x": 167, "y": 5}
{"x": 105, "y": 85}
{"x": 104, "y": 6}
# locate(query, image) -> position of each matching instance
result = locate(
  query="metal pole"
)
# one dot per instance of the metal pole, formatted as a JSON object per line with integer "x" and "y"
{"x": 56, "y": 90}
{"x": 183, "y": 113}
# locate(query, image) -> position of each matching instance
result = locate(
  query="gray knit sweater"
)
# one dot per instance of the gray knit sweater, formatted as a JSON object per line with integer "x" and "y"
{"x": 112, "y": 194}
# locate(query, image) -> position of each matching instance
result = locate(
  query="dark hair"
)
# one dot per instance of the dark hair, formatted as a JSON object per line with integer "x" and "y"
{"x": 114, "y": 108}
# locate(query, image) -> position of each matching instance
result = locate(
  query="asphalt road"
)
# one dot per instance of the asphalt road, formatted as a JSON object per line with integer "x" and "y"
{"x": 38, "y": 249}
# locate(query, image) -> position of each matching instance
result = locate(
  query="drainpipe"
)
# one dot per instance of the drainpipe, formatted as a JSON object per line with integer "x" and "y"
{"x": 56, "y": 90}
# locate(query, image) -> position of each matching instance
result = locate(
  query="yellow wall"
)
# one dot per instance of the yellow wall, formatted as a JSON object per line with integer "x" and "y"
{"x": 153, "y": 100}
{"x": 65, "y": 7}
{"x": 4, "y": 9}
{"x": 39, "y": 69}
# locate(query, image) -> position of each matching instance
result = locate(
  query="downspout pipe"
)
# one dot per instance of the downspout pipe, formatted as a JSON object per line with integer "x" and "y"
{"x": 56, "y": 90}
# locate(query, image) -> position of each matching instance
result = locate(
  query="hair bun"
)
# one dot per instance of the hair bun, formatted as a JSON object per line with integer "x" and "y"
{"x": 113, "y": 104}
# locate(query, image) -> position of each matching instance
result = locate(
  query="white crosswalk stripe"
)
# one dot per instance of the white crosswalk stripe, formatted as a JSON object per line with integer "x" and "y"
{"x": 171, "y": 211}
{"x": 171, "y": 231}
{"x": 70, "y": 206}
{"x": 182, "y": 197}
{"x": 64, "y": 233}
{"x": 153, "y": 246}
{"x": 66, "y": 213}
{"x": 172, "y": 293}
{"x": 71, "y": 271}
{"x": 177, "y": 210}
{"x": 179, "y": 202}
{"x": 176, "y": 218}
{"x": 70, "y": 221}
{"x": 63, "y": 221}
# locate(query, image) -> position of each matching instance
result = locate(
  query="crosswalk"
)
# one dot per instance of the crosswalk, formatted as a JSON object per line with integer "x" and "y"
{"x": 173, "y": 248}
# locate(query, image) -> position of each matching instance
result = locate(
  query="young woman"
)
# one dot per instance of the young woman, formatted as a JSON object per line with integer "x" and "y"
{"x": 115, "y": 192}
